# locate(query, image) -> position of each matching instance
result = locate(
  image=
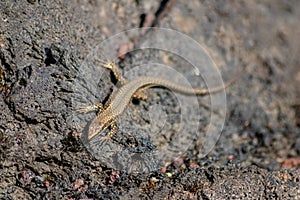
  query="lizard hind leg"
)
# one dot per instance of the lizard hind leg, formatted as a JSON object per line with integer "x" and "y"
{"x": 141, "y": 93}
{"x": 115, "y": 70}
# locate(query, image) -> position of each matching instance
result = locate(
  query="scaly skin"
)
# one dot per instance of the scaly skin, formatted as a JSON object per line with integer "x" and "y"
{"x": 121, "y": 98}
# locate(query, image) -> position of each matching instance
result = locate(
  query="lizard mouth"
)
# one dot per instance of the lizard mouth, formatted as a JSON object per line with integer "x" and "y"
{"x": 97, "y": 127}
{"x": 94, "y": 129}
{"x": 92, "y": 133}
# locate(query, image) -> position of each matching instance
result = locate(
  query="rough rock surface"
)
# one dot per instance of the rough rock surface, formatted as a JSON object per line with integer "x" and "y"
{"x": 42, "y": 46}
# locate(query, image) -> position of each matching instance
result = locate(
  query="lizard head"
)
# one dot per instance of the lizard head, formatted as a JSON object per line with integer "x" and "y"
{"x": 98, "y": 125}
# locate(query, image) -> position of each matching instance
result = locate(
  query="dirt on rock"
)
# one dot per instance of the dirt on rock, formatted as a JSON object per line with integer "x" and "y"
{"x": 42, "y": 47}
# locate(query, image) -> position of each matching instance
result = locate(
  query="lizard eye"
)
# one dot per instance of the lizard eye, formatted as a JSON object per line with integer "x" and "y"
{"x": 94, "y": 128}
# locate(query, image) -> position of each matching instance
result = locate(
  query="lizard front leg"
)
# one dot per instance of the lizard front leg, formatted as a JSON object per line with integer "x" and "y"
{"x": 111, "y": 133}
{"x": 86, "y": 109}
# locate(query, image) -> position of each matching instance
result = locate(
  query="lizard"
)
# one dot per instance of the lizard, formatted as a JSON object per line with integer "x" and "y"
{"x": 120, "y": 99}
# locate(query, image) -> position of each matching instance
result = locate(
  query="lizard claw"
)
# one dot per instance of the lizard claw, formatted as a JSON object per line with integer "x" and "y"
{"x": 86, "y": 109}
{"x": 106, "y": 138}
{"x": 109, "y": 135}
